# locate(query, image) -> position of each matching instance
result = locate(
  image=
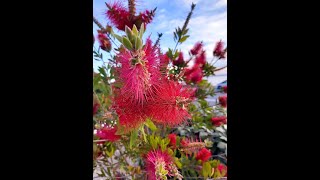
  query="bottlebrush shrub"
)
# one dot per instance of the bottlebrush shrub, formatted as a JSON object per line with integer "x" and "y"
{"x": 151, "y": 119}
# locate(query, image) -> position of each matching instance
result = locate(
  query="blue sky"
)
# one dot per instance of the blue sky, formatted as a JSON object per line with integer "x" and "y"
{"x": 208, "y": 23}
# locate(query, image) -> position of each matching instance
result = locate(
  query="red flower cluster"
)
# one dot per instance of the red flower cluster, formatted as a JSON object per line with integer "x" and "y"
{"x": 195, "y": 74}
{"x": 104, "y": 42}
{"x": 121, "y": 17}
{"x": 223, "y": 101}
{"x": 108, "y": 134}
{"x": 203, "y": 155}
{"x": 145, "y": 92}
{"x": 218, "y": 121}
{"x": 173, "y": 139}
{"x": 219, "y": 51}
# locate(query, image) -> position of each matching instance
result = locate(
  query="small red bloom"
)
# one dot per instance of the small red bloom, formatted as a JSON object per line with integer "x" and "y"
{"x": 201, "y": 59}
{"x": 194, "y": 74}
{"x": 203, "y": 155}
{"x": 219, "y": 51}
{"x": 104, "y": 42}
{"x": 222, "y": 169}
{"x": 225, "y": 89}
{"x": 95, "y": 108}
{"x": 179, "y": 61}
{"x": 169, "y": 105}
{"x": 108, "y": 133}
{"x": 218, "y": 121}
{"x": 223, "y": 101}
{"x": 173, "y": 139}
{"x": 196, "y": 49}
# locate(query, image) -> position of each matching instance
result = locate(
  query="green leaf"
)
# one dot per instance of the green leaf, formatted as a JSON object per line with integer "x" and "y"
{"x": 119, "y": 38}
{"x": 143, "y": 133}
{"x": 127, "y": 43}
{"x": 206, "y": 169}
{"x": 177, "y": 162}
{"x": 142, "y": 29}
{"x": 138, "y": 44}
{"x": 183, "y": 38}
{"x": 135, "y": 30}
{"x": 133, "y": 138}
{"x": 150, "y": 125}
{"x": 185, "y": 32}
{"x": 128, "y": 32}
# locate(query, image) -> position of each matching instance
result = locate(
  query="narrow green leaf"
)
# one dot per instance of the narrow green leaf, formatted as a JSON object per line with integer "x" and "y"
{"x": 119, "y": 38}
{"x": 142, "y": 29}
{"x": 184, "y": 38}
{"x": 133, "y": 137}
{"x": 127, "y": 43}
{"x": 128, "y": 32}
{"x": 138, "y": 44}
{"x": 185, "y": 32}
{"x": 206, "y": 169}
{"x": 150, "y": 125}
{"x": 135, "y": 30}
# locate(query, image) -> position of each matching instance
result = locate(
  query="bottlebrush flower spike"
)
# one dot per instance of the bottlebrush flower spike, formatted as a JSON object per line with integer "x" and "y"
{"x": 139, "y": 73}
{"x": 188, "y": 146}
{"x": 108, "y": 133}
{"x": 218, "y": 121}
{"x": 158, "y": 165}
{"x": 121, "y": 17}
{"x": 201, "y": 59}
{"x": 169, "y": 105}
{"x": 104, "y": 42}
{"x": 203, "y": 155}
{"x": 196, "y": 49}
{"x": 219, "y": 51}
{"x": 194, "y": 74}
{"x": 131, "y": 115}
{"x": 223, "y": 101}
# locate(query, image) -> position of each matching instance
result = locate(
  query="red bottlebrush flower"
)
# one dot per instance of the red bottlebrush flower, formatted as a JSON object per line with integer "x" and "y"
{"x": 108, "y": 133}
{"x": 121, "y": 17}
{"x": 203, "y": 155}
{"x": 223, "y": 101}
{"x": 194, "y": 74}
{"x": 219, "y": 51}
{"x": 131, "y": 114}
{"x": 201, "y": 59}
{"x": 173, "y": 139}
{"x": 95, "y": 108}
{"x": 179, "y": 61}
{"x": 189, "y": 146}
{"x": 169, "y": 106}
{"x": 156, "y": 162}
{"x": 225, "y": 89}
{"x": 139, "y": 73}
{"x": 104, "y": 42}
{"x": 222, "y": 169}
{"x": 196, "y": 49}
{"x": 218, "y": 121}
{"x": 164, "y": 60}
